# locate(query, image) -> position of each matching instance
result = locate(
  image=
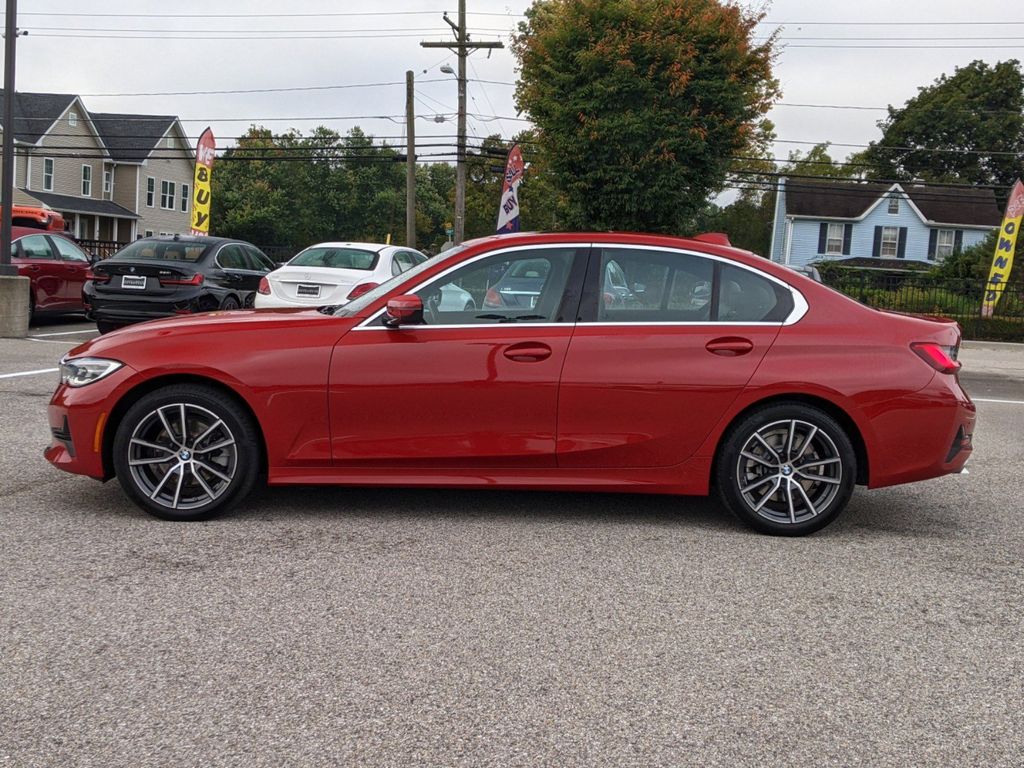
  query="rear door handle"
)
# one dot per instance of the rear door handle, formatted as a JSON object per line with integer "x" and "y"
{"x": 528, "y": 352}
{"x": 34, "y": 268}
{"x": 729, "y": 346}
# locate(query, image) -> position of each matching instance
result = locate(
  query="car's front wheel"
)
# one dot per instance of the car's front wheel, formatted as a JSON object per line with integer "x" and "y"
{"x": 186, "y": 452}
{"x": 786, "y": 469}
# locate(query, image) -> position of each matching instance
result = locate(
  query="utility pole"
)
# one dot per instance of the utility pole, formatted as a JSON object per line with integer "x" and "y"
{"x": 410, "y": 162}
{"x": 462, "y": 48}
{"x": 7, "y": 177}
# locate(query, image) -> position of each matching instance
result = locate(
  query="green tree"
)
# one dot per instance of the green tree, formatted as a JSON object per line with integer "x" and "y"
{"x": 640, "y": 105}
{"x": 967, "y": 127}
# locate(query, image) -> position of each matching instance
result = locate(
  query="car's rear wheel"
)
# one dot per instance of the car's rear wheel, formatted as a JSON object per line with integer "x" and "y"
{"x": 186, "y": 452}
{"x": 786, "y": 469}
{"x": 230, "y": 303}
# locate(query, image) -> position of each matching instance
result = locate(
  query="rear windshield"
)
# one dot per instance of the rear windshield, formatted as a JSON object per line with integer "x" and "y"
{"x": 161, "y": 250}
{"x": 336, "y": 258}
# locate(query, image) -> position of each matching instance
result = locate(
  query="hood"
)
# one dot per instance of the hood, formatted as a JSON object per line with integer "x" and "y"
{"x": 243, "y": 321}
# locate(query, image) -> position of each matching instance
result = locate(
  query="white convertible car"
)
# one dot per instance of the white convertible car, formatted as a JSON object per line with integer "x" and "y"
{"x": 327, "y": 273}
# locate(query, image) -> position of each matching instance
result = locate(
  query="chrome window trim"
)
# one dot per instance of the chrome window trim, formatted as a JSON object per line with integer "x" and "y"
{"x": 800, "y": 306}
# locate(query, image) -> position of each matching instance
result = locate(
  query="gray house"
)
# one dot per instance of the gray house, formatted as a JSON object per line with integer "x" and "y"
{"x": 834, "y": 220}
{"x": 112, "y": 176}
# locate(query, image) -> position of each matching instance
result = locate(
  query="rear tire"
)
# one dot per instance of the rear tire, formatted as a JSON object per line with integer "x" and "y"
{"x": 229, "y": 303}
{"x": 186, "y": 452}
{"x": 786, "y": 469}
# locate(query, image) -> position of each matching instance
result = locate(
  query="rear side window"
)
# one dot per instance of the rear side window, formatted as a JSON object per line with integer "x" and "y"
{"x": 648, "y": 286}
{"x": 746, "y": 297}
{"x": 336, "y": 258}
{"x": 161, "y": 250}
{"x": 232, "y": 257}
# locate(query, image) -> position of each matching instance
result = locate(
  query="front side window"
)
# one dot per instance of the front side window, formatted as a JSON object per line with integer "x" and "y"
{"x": 47, "y": 174}
{"x": 261, "y": 261}
{"x": 945, "y": 243}
{"x": 68, "y": 250}
{"x": 86, "y": 181}
{"x": 834, "y": 243}
{"x": 890, "y": 242}
{"x": 150, "y": 194}
{"x": 654, "y": 286}
{"x": 35, "y": 247}
{"x": 515, "y": 287}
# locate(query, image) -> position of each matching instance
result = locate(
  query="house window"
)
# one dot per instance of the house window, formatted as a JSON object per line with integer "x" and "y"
{"x": 184, "y": 198}
{"x": 86, "y": 181}
{"x": 150, "y": 192}
{"x": 894, "y": 204}
{"x": 890, "y": 242}
{"x": 72, "y": 119}
{"x": 48, "y": 174}
{"x": 108, "y": 182}
{"x": 149, "y": 233}
{"x": 167, "y": 195}
{"x": 834, "y": 243}
{"x": 945, "y": 243}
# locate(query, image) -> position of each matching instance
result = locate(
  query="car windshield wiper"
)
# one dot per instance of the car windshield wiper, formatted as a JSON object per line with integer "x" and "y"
{"x": 510, "y": 318}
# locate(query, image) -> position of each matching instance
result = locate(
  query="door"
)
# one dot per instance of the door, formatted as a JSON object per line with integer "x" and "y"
{"x": 667, "y": 342}
{"x": 239, "y": 272}
{"x": 38, "y": 261}
{"x": 469, "y": 387}
{"x": 74, "y": 268}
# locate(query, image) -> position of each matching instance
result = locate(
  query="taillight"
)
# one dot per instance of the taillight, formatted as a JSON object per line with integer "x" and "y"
{"x": 196, "y": 279}
{"x": 942, "y": 359}
{"x": 493, "y": 298}
{"x": 97, "y": 277}
{"x": 264, "y": 288}
{"x": 360, "y": 289}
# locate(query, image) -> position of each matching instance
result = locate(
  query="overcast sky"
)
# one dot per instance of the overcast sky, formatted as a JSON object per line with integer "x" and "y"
{"x": 56, "y": 58}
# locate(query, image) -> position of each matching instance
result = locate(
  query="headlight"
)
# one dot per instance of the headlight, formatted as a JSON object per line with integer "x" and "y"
{"x": 79, "y": 371}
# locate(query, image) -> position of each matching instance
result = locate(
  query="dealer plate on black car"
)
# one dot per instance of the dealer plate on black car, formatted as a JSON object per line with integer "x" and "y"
{"x": 310, "y": 291}
{"x": 133, "y": 281}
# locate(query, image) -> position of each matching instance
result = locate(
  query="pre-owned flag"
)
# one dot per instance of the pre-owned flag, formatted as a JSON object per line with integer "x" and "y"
{"x": 202, "y": 193}
{"x": 1002, "y": 262}
{"x": 508, "y": 214}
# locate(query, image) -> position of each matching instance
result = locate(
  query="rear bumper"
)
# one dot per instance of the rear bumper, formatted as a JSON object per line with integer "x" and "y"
{"x": 926, "y": 435}
{"x": 135, "y": 309}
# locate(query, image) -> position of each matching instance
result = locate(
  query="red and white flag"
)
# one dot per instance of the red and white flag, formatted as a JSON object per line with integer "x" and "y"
{"x": 508, "y": 213}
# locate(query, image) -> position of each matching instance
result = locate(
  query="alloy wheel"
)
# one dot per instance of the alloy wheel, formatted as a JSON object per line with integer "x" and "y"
{"x": 182, "y": 456}
{"x": 789, "y": 472}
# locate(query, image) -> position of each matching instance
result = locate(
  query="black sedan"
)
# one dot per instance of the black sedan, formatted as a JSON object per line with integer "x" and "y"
{"x": 173, "y": 275}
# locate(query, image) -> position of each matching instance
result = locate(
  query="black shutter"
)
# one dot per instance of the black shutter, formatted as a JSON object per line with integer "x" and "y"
{"x": 847, "y": 238}
{"x": 876, "y": 249}
{"x": 822, "y": 237}
{"x": 901, "y": 249}
{"x": 933, "y": 242}
{"x": 958, "y": 241}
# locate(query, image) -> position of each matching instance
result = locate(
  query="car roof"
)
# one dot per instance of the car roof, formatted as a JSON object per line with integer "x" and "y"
{"x": 205, "y": 239}
{"x": 339, "y": 244}
{"x": 17, "y": 232}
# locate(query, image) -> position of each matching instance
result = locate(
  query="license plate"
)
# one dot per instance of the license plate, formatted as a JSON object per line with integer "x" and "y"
{"x": 135, "y": 282}
{"x": 308, "y": 291}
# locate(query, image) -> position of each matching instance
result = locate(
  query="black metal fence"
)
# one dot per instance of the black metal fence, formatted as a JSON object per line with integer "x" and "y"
{"x": 101, "y": 249}
{"x": 958, "y": 299}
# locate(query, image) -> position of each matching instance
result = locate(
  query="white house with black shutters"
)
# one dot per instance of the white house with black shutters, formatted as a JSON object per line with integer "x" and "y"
{"x": 819, "y": 220}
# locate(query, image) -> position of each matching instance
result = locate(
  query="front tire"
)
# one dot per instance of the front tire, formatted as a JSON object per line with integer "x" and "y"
{"x": 186, "y": 452}
{"x": 786, "y": 469}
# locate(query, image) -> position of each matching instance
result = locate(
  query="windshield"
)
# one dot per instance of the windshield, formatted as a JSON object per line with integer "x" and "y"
{"x": 387, "y": 286}
{"x": 162, "y": 250}
{"x": 336, "y": 258}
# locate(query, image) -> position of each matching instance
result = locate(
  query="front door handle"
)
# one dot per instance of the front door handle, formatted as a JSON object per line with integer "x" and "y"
{"x": 729, "y": 346}
{"x": 528, "y": 352}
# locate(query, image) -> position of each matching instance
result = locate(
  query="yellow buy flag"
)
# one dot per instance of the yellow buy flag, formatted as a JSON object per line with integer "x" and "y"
{"x": 1002, "y": 262}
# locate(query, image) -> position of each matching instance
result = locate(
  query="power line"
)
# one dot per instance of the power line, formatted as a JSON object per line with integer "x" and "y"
{"x": 196, "y": 36}
{"x": 260, "y": 90}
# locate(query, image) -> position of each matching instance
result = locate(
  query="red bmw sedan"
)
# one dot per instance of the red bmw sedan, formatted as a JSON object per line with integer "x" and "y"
{"x": 633, "y": 363}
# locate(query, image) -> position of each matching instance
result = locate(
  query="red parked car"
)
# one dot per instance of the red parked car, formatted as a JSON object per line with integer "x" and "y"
{"x": 719, "y": 369}
{"x": 55, "y": 265}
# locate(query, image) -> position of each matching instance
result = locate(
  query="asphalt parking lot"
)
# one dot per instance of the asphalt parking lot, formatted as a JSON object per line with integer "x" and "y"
{"x": 397, "y": 628}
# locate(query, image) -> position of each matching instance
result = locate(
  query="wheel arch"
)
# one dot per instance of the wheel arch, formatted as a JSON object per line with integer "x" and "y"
{"x": 832, "y": 409}
{"x": 151, "y": 385}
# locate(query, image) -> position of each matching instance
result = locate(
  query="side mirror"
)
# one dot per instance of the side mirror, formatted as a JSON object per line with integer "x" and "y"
{"x": 404, "y": 310}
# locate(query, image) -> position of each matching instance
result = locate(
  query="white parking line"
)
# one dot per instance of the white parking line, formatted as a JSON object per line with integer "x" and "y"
{"x": 63, "y": 333}
{"x": 1004, "y": 402}
{"x": 28, "y": 373}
